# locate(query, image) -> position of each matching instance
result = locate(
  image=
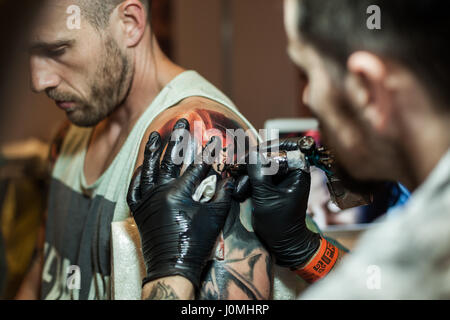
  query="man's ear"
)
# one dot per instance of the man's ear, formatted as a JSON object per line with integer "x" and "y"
{"x": 366, "y": 87}
{"x": 133, "y": 17}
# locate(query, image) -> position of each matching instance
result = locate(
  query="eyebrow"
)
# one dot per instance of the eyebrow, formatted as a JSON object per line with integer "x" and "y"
{"x": 51, "y": 45}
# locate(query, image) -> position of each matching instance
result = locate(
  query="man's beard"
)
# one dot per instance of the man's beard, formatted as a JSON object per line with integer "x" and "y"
{"x": 357, "y": 185}
{"x": 341, "y": 171}
{"x": 109, "y": 89}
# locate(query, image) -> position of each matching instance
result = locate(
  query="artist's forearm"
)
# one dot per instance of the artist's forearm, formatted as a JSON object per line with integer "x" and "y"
{"x": 341, "y": 254}
{"x": 322, "y": 262}
{"x": 169, "y": 288}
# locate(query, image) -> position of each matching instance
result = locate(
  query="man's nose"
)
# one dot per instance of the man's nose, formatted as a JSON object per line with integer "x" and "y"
{"x": 43, "y": 76}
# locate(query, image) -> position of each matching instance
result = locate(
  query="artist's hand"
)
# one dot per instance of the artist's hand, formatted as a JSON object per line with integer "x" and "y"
{"x": 177, "y": 233}
{"x": 243, "y": 189}
{"x": 279, "y": 212}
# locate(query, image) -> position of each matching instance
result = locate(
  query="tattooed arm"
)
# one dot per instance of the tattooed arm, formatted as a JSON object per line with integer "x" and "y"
{"x": 246, "y": 271}
{"x": 171, "y": 288}
{"x": 242, "y": 268}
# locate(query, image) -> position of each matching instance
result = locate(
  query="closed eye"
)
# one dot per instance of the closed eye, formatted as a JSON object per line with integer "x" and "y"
{"x": 55, "y": 53}
{"x": 53, "y": 50}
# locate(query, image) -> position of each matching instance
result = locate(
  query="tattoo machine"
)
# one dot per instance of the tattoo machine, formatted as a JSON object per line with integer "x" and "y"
{"x": 308, "y": 154}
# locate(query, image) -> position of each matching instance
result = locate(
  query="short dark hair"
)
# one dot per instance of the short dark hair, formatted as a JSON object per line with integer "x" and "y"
{"x": 98, "y": 12}
{"x": 413, "y": 32}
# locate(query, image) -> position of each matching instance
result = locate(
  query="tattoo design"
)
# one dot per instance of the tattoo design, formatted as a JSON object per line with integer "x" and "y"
{"x": 212, "y": 124}
{"x": 245, "y": 270}
{"x": 162, "y": 291}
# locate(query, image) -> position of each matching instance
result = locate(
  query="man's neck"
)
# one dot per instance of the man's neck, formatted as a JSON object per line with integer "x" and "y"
{"x": 152, "y": 72}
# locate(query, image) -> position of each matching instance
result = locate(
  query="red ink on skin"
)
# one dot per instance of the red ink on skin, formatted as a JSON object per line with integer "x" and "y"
{"x": 209, "y": 120}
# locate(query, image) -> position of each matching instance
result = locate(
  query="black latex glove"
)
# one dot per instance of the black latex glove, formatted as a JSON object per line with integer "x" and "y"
{"x": 243, "y": 189}
{"x": 279, "y": 212}
{"x": 178, "y": 234}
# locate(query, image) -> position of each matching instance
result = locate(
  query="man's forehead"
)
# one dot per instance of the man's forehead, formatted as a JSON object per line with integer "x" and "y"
{"x": 297, "y": 48}
{"x": 54, "y": 10}
{"x": 50, "y": 25}
{"x": 291, "y": 16}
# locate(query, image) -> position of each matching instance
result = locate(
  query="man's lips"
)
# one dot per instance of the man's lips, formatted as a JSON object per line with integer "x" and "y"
{"x": 66, "y": 105}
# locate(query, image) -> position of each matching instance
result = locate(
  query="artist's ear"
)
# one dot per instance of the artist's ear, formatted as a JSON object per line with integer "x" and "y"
{"x": 133, "y": 21}
{"x": 366, "y": 87}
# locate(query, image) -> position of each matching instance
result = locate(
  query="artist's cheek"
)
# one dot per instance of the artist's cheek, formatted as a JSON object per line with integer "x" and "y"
{"x": 321, "y": 103}
{"x": 318, "y": 91}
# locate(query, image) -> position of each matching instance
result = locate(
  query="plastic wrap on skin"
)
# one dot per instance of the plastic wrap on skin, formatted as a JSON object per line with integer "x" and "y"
{"x": 128, "y": 267}
{"x": 284, "y": 284}
{"x": 127, "y": 262}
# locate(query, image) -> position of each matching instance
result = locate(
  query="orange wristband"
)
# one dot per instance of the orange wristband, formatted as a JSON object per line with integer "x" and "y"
{"x": 321, "y": 264}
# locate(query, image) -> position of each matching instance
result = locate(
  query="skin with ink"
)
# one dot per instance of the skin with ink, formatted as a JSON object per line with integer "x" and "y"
{"x": 162, "y": 291}
{"x": 169, "y": 289}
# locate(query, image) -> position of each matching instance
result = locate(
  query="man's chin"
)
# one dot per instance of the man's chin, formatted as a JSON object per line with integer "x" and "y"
{"x": 355, "y": 184}
{"x": 80, "y": 121}
{"x": 349, "y": 176}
